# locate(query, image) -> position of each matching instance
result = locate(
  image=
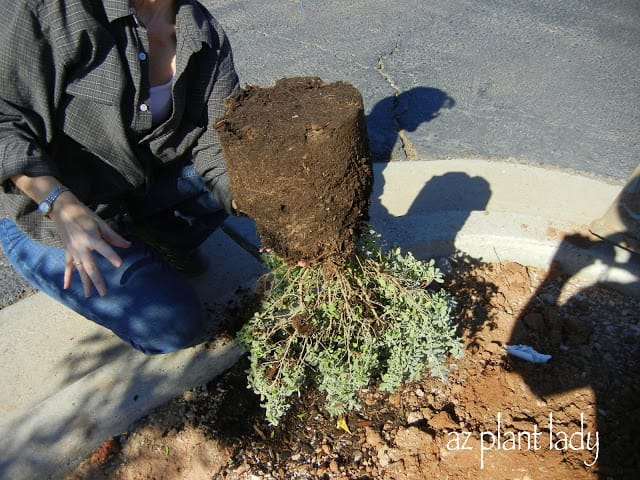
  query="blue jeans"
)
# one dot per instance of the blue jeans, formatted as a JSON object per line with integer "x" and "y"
{"x": 148, "y": 304}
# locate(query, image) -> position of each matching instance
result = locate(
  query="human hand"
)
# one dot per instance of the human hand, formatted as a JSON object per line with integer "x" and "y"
{"x": 83, "y": 232}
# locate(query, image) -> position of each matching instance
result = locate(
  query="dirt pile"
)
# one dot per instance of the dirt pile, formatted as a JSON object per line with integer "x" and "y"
{"x": 298, "y": 159}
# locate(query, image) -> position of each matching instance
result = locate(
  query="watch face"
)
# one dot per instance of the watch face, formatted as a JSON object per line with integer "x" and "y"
{"x": 44, "y": 207}
{"x": 47, "y": 203}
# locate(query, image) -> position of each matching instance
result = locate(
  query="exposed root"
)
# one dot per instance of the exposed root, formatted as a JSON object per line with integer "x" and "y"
{"x": 340, "y": 325}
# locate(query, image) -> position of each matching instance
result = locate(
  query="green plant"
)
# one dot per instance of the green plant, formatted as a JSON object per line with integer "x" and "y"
{"x": 340, "y": 325}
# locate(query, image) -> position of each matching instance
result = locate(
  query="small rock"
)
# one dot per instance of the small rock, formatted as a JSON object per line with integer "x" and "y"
{"x": 320, "y": 471}
{"x": 333, "y": 466}
{"x": 383, "y": 458}
{"x": 190, "y": 395}
{"x": 419, "y": 392}
{"x": 395, "y": 454}
{"x": 242, "y": 469}
{"x": 534, "y": 321}
{"x": 414, "y": 417}
{"x": 394, "y": 400}
{"x": 442, "y": 421}
{"x": 413, "y": 439}
{"x": 373, "y": 438}
{"x": 577, "y": 331}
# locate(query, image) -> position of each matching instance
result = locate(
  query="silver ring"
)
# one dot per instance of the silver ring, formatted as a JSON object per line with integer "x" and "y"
{"x": 77, "y": 263}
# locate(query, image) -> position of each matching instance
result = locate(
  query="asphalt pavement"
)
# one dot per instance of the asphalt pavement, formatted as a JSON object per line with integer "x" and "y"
{"x": 550, "y": 82}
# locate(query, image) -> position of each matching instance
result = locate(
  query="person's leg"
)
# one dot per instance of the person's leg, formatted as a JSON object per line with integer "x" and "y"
{"x": 621, "y": 222}
{"x": 148, "y": 304}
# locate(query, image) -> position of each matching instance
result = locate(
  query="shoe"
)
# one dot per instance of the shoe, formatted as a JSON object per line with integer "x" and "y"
{"x": 191, "y": 263}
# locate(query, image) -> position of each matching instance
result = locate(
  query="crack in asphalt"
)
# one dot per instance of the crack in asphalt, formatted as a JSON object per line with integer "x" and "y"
{"x": 408, "y": 149}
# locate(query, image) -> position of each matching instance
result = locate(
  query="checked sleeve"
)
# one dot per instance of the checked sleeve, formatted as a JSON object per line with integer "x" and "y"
{"x": 27, "y": 94}
{"x": 207, "y": 154}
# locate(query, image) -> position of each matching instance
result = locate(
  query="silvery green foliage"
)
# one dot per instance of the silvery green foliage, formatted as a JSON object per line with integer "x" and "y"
{"x": 340, "y": 327}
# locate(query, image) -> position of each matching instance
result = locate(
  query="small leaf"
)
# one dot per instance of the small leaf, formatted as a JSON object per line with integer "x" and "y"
{"x": 342, "y": 425}
{"x": 166, "y": 450}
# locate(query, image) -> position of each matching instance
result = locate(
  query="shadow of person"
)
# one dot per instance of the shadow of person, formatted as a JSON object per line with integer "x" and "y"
{"x": 593, "y": 336}
{"x": 405, "y": 112}
{"x": 428, "y": 218}
{"x": 429, "y": 229}
{"x": 452, "y": 192}
{"x": 431, "y": 221}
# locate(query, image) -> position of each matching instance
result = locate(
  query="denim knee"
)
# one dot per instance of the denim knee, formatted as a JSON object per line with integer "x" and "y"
{"x": 149, "y": 304}
{"x": 161, "y": 309}
{"x": 185, "y": 330}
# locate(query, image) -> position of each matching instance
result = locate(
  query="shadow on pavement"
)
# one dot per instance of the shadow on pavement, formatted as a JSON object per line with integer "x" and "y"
{"x": 450, "y": 197}
{"x": 454, "y": 193}
{"x": 404, "y": 112}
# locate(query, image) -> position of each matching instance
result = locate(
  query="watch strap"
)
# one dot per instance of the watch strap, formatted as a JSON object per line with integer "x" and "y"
{"x": 47, "y": 203}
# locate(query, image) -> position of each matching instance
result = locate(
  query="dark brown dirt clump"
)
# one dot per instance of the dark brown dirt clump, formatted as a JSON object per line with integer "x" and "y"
{"x": 298, "y": 159}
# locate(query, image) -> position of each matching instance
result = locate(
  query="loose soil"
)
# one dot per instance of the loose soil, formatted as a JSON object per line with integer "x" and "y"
{"x": 298, "y": 160}
{"x": 497, "y": 416}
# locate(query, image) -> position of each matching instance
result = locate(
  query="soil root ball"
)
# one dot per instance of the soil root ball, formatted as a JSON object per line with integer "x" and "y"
{"x": 299, "y": 163}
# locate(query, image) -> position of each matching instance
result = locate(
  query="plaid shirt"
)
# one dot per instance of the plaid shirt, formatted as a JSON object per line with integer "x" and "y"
{"x": 74, "y": 103}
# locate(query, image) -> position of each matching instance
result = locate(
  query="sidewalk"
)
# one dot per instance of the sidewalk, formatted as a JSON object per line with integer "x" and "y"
{"x": 68, "y": 384}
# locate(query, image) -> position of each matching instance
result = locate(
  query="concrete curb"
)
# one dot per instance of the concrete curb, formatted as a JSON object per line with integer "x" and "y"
{"x": 499, "y": 211}
{"x": 71, "y": 384}
{"x": 56, "y": 434}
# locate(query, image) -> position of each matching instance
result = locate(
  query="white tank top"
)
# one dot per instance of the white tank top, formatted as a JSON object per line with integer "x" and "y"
{"x": 161, "y": 102}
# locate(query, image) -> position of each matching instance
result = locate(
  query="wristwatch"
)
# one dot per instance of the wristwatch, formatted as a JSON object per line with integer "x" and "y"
{"x": 47, "y": 204}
